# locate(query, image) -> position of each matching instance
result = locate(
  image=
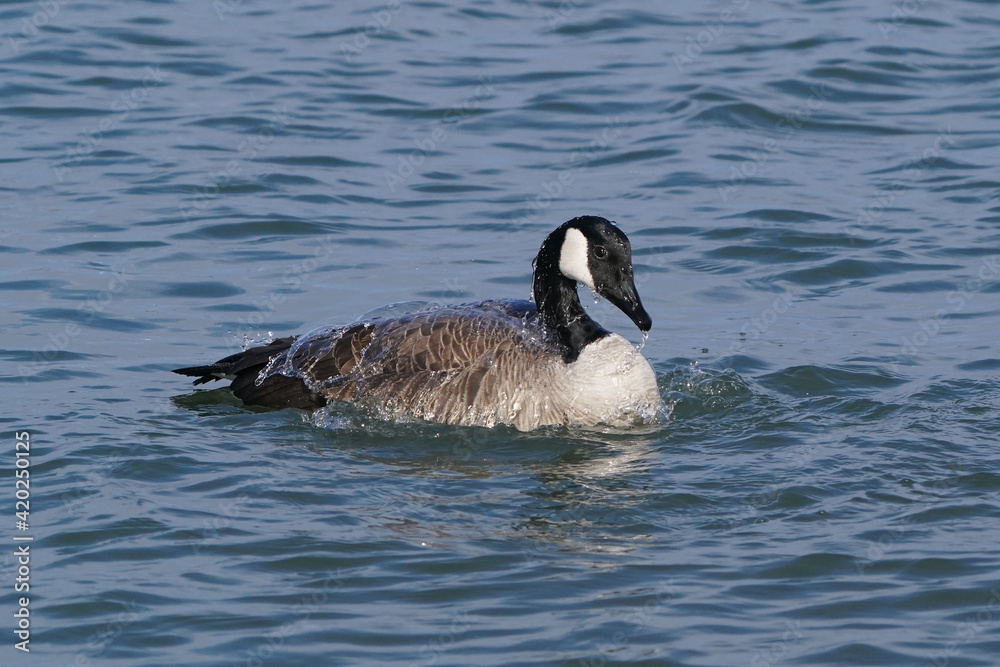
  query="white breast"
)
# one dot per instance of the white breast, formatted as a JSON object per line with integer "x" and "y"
{"x": 612, "y": 383}
{"x": 609, "y": 383}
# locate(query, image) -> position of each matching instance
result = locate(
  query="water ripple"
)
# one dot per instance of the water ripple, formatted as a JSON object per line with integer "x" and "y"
{"x": 810, "y": 198}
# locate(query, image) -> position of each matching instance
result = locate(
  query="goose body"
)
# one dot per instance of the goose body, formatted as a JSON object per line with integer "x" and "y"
{"x": 494, "y": 362}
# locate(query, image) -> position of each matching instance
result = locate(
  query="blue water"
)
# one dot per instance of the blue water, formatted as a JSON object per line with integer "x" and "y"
{"x": 811, "y": 190}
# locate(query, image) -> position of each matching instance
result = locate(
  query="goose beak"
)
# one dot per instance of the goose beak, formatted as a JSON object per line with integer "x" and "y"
{"x": 626, "y": 298}
{"x": 641, "y": 318}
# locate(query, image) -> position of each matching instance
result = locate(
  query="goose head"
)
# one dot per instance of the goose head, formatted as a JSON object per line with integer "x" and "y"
{"x": 589, "y": 250}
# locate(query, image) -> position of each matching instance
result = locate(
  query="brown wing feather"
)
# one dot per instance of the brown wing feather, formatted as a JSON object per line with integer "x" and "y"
{"x": 436, "y": 362}
{"x": 441, "y": 341}
{"x": 330, "y": 355}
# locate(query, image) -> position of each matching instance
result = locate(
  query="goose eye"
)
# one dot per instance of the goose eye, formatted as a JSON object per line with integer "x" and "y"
{"x": 600, "y": 252}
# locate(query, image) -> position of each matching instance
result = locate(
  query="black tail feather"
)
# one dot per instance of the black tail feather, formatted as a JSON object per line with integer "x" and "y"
{"x": 202, "y": 373}
{"x": 243, "y": 368}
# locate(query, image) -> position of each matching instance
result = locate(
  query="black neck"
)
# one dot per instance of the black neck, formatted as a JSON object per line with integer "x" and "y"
{"x": 559, "y": 305}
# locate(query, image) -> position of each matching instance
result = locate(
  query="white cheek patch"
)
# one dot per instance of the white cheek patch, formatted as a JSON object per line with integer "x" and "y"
{"x": 573, "y": 258}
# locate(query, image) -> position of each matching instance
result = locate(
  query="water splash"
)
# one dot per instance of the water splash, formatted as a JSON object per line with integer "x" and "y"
{"x": 692, "y": 390}
{"x": 642, "y": 344}
{"x": 253, "y": 341}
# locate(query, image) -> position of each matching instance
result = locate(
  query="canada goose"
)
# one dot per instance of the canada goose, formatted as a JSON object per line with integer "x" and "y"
{"x": 494, "y": 362}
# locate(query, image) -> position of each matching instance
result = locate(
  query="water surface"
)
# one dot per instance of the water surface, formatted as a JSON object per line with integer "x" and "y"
{"x": 811, "y": 193}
